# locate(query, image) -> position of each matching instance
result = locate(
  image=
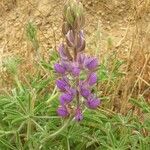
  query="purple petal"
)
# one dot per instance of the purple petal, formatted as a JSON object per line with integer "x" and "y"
{"x": 66, "y": 98}
{"x": 91, "y": 63}
{"x": 62, "y": 111}
{"x": 62, "y": 84}
{"x": 75, "y": 70}
{"x": 62, "y": 52}
{"x": 59, "y": 68}
{"x": 92, "y": 79}
{"x": 78, "y": 115}
{"x": 93, "y": 103}
{"x": 71, "y": 91}
{"x": 84, "y": 92}
{"x": 66, "y": 65}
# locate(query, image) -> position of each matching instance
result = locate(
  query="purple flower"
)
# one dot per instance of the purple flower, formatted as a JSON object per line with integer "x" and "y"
{"x": 71, "y": 91}
{"x": 62, "y": 111}
{"x": 59, "y": 68}
{"x": 66, "y": 98}
{"x": 75, "y": 70}
{"x": 93, "y": 103}
{"x": 66, "y": 65}
{"x": 62, "y": 84}
{"x": 78, "y": 115}
{"x": 92, "y": 79}
{"x": 91, "y": 63}
{"x": 84, "y": 92}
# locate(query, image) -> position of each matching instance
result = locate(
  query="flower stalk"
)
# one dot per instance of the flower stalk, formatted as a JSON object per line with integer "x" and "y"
{"x": 76, "y": 71}
{"x": 65, "y": 125}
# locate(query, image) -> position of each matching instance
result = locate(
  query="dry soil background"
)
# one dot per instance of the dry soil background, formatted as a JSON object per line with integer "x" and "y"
{"x": 111, "y": 25}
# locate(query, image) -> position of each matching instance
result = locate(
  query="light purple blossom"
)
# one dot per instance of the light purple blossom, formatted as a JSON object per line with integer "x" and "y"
{"x": 66, "y": 98}
{"x": 78, "y": 114}
{"x": 77, "y": 71}
{"x": 62, "y": 111}
{"x": 59, "y": 68}
{"x": 91, "y": 63}
{"x": 93, "y": 103}
{"x": 84, "y": 92}
{"x": 62, "y": 84}
{"x": 92, "y": 79}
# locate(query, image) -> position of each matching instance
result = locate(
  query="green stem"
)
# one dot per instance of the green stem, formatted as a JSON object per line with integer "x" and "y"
{"x": 31, "y": 113}
{"x": 53, "y": 96}
{"x": 29, "y": 133}
{"x": 18, "y": 83}
{"x": 58, "y": 131}
{"x": 68, "y": 145}
{"x": 4, "y": 133}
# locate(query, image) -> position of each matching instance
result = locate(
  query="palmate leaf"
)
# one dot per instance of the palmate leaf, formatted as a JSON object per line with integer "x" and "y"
{"x": 14, "y": 119}
{"x": 146, "y": 123}
{"x": 40, "y": 107}
{"x": 18, "y": 120}
{"x": 46, "y": 65}
{"x": 4, "y": 100}
{"x": 11, "y": 64}
{"x": 124, "y": 142}
{"x": 7, "y": 144}
{"x": 141, "y": 103}
{"x": 18, "y": 142}
{"x": 102, "y": 73}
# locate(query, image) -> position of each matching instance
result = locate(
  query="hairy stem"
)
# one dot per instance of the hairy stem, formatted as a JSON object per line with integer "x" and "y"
{"x": 58, "y": 131}
{"x": 18, "y": 82}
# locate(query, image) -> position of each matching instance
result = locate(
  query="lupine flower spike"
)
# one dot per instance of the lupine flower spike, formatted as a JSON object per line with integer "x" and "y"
{"x": 77, "y": 71}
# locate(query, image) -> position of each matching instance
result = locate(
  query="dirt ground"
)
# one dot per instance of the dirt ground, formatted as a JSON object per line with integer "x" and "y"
{"x": 115, "y": 25}
{"x": 111, "y": 17}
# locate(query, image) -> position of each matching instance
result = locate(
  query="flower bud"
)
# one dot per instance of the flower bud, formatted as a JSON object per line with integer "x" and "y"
{"x": 62, "y": 111}
{"x": 62, "y": 84}
{"x": 93, "y": 103}
{"x": 80, "y": 10}
{"x": 79, "y": 22}
{"x": 75, "y": 70}
{"x": 81, "y": 59}
{"x": 65, "y": 28}
{"x": 71, "y": 91}
{"x": 92, "y": 79}
{"x": 70, "y": 39}
{"x": 69, "y": 16}
{"x": 64, "y": 53}
{"x": 78, "y": 115}
{"x": 59, "y": 68}
{"x": 66, "y": 98}
{"x": 80, "y": 42}
{"x": 91, "y": 63}
{"x": 84, "y": 92}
